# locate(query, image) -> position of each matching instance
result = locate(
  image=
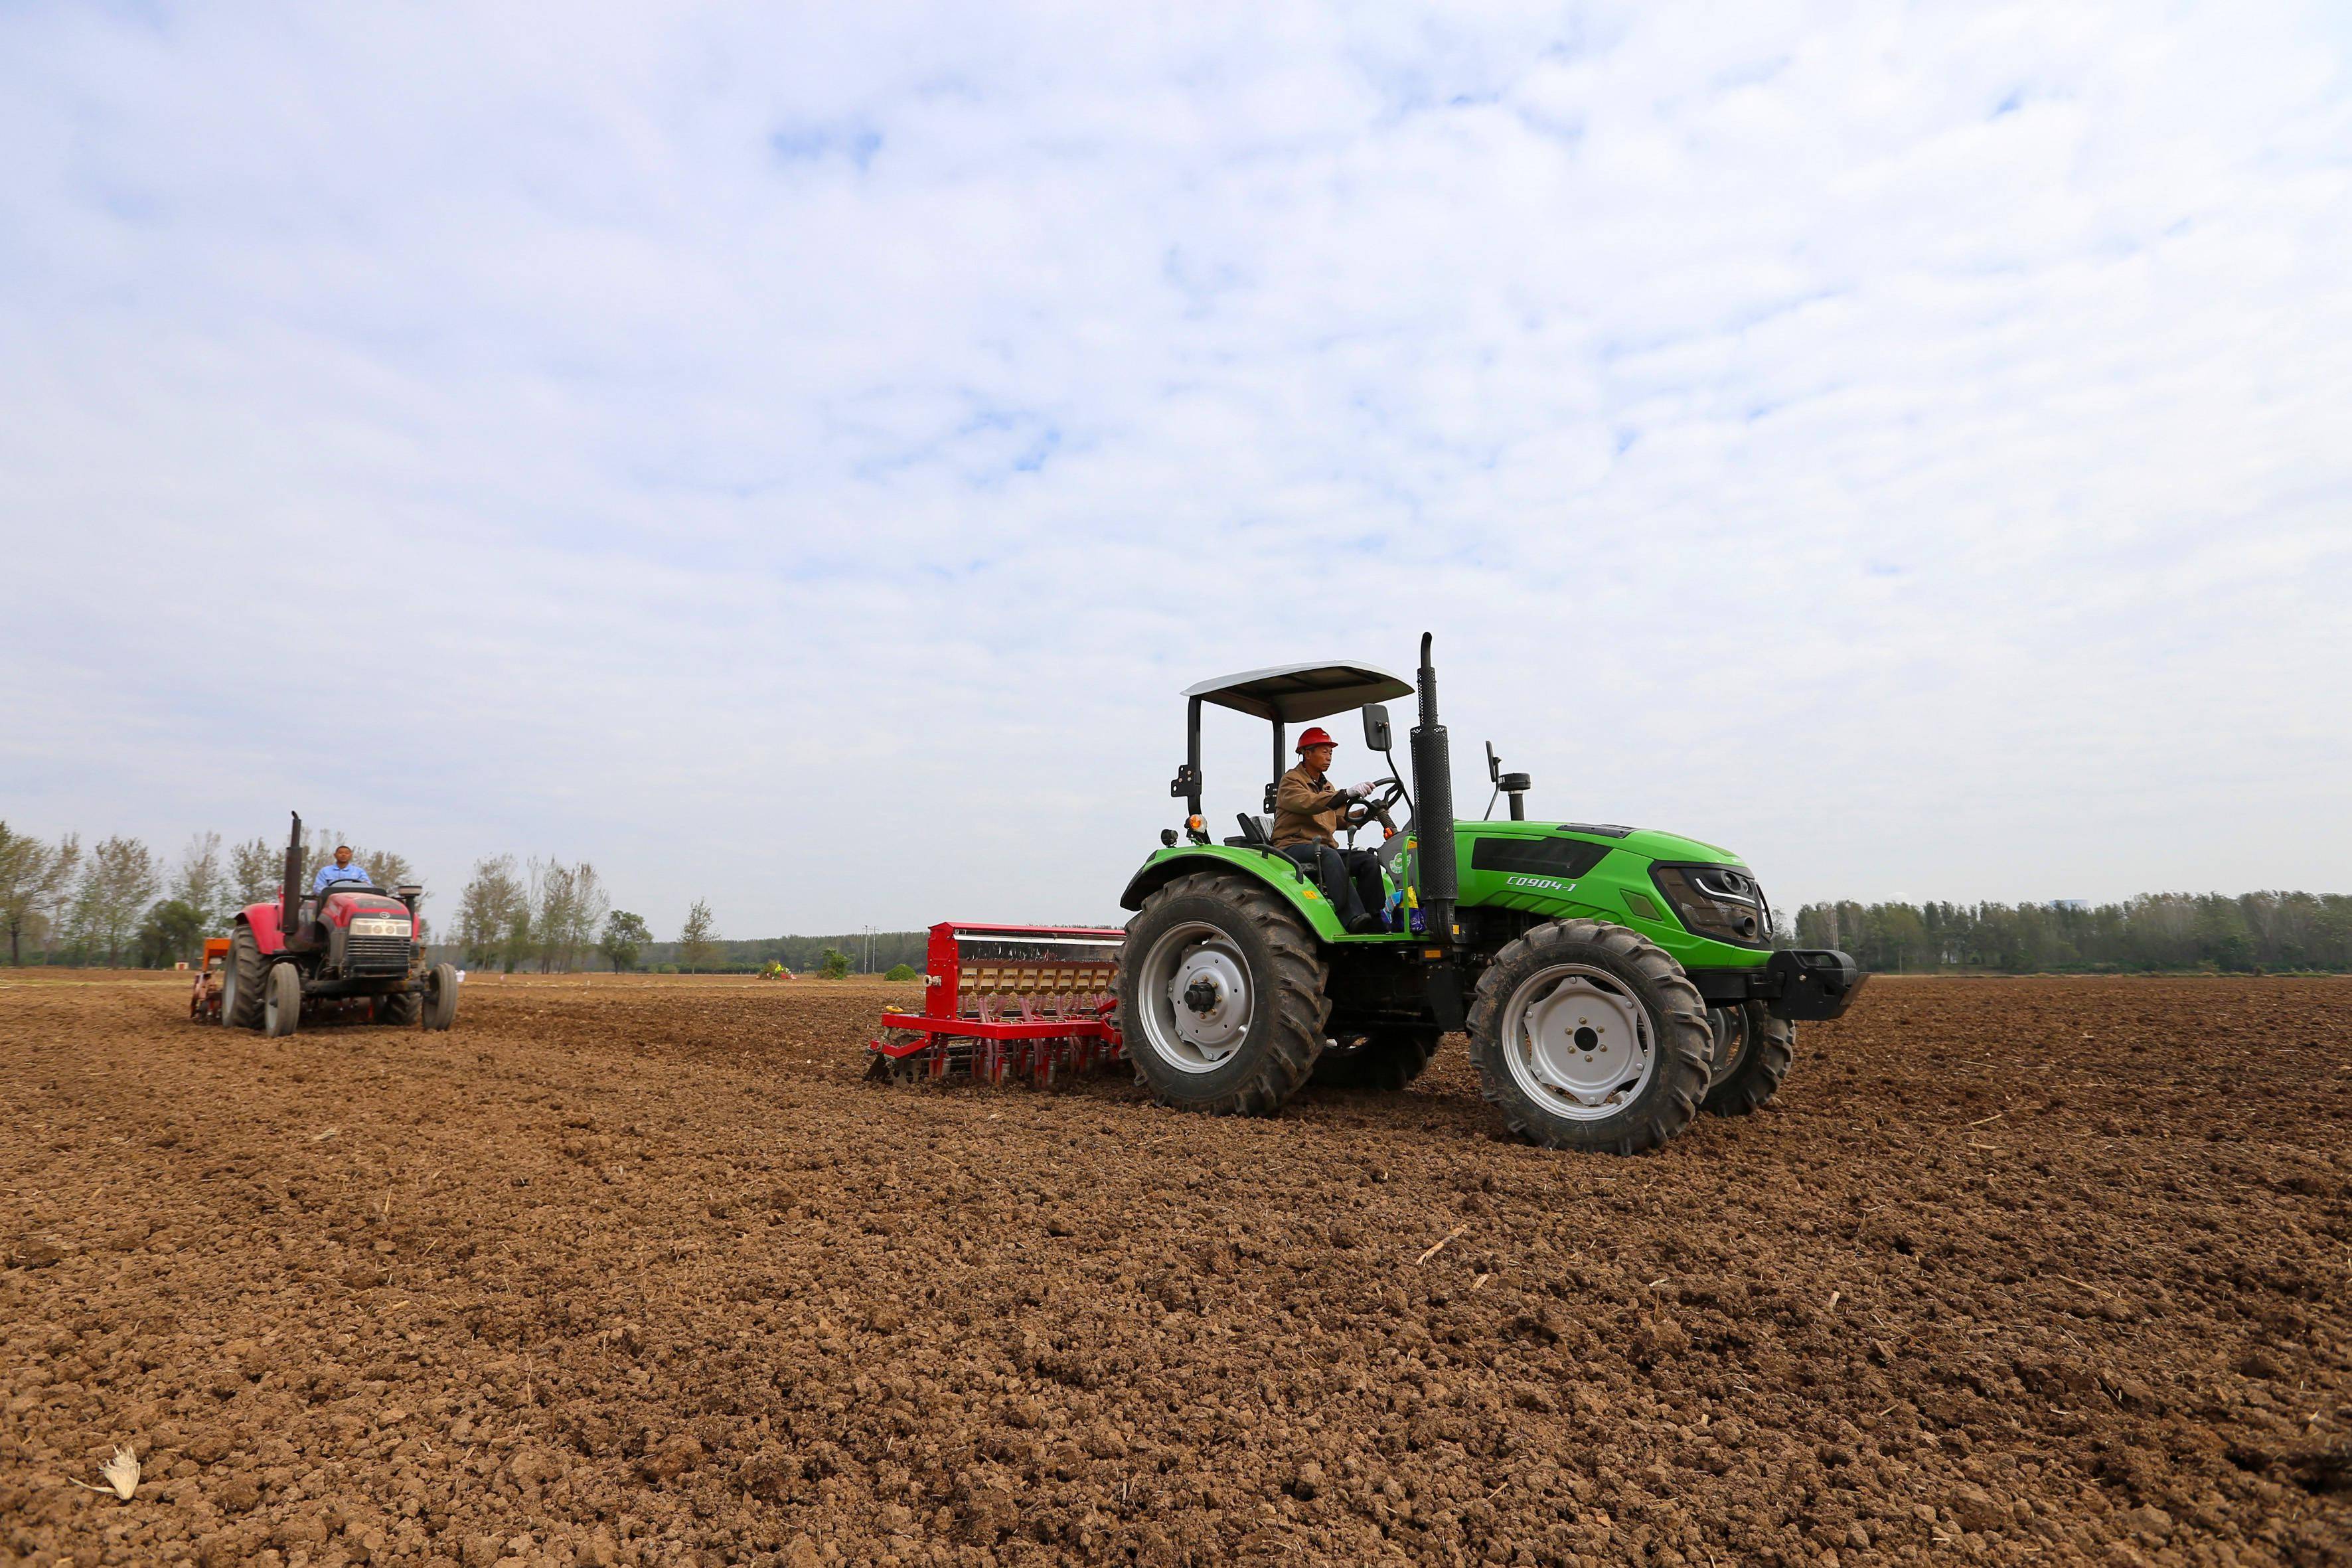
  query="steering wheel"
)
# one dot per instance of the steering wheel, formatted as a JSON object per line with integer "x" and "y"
{"x": 1364, "y": 810}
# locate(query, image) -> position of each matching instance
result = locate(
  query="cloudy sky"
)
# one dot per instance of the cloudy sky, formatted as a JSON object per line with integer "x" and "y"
{"x": 797, "y": 458}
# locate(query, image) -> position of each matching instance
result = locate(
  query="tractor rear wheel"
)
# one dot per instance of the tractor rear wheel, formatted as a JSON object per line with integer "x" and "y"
{"x": 281, "y": 1005}
{"x": 1587, "y": 1036}
{"x": 441, "y": 997}
{"x": 1220, "y": 995}
{"x": 242, "y": 979}
{"x": 1752, "y": 1053}
{"x": 1386, "y": 1058}
{"x": 400, "y": 1007}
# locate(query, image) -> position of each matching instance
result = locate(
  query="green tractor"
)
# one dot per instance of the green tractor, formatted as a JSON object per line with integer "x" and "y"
{"x": 1612, "y": 981}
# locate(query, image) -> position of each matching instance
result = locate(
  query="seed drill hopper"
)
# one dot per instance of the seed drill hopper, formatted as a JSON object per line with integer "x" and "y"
{"x": 1032, "y": 1003}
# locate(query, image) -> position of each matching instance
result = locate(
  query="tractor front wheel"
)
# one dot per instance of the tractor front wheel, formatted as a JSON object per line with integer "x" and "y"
{"x": 441, "y": 997}
{"x": 1752, "y": 1053}
{"x": 401, "y": 1007}
{"x": 242, "y": 979}
{"x": 1587, "y": 1036}
{"x": 1220, "y": 995}
{"x": 281, "y": 1007}
{"x": 1387, "y": 1057}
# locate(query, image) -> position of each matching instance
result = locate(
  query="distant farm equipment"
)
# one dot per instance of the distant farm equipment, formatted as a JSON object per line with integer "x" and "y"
{"x": 350, "y": 954}
{"x": 205, "y": 1000}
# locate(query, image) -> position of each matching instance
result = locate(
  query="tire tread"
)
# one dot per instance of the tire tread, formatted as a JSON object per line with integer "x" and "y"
{"x": 1685, "y": 1044}
{"x": 1296, "y": 991}
{"x": 1771, "y": 1047}
{"x": 252, "y": 975}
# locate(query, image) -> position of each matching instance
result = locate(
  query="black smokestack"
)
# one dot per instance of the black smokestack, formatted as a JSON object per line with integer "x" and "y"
{"x": 1432, "y": 776}
{"x": 293, "y": 889}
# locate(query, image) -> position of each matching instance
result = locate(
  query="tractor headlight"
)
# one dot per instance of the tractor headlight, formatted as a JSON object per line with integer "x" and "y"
{"x": 1718, "y": 901}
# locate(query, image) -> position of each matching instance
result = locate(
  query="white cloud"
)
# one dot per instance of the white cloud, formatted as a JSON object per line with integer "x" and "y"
{"x": 796, "y": 460}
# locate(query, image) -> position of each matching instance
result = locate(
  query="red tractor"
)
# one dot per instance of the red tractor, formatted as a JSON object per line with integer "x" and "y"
{"x": 353, "y": 952}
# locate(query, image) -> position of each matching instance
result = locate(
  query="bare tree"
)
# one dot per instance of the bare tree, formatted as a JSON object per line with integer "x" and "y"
{"x": 115, "y": 886}
{"x": 254, "y": 868}
{"x": 389, "y": 869}
{"x": 488, "y": 913}
{"x": 517, "y": 948}
{"x": 57, "y": 893}
{"x": 551, "y": 899}
{"x": 34, "y": 877}
{"x": 698, "y": 947}
{"x": 568, "y": 903}
{"x": 590, "y": 904}
{"x": 20, "y": 857}
{"x": 201, "y": 883}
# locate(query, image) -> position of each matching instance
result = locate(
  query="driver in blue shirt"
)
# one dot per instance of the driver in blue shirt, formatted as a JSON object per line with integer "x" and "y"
{"x": 343, "y": 870}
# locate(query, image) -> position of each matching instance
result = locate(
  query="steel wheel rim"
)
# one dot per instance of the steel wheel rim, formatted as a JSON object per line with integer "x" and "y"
{"x": 1730, "y": 1044}
{"x": 1194, "y": 1031}
{"x": 1579, "y": 1042}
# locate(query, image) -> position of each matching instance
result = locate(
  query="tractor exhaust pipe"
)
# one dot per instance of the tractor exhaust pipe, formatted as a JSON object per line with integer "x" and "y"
{"x": 291, "y": 891}
{"x": 1434, "y": 872}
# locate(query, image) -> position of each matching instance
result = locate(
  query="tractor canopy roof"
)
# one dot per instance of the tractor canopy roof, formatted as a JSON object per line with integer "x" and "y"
{"x": 1289, "y": 693}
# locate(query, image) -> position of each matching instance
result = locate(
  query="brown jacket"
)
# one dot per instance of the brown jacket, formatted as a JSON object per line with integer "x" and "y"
{"x": 1306, "y": 809}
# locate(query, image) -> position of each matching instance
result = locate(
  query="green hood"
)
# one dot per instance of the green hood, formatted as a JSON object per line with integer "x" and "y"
{"x": 1660, "y": 846}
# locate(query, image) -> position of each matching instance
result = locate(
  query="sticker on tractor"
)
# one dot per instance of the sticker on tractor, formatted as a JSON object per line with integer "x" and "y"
{"x": 1548, "y": 884}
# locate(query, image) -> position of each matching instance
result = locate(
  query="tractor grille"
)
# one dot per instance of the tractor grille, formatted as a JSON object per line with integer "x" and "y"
{"x": 375, "y": 956}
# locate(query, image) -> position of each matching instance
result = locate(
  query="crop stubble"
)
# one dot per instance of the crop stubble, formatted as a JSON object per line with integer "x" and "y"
{"x": 640, "y": 1270}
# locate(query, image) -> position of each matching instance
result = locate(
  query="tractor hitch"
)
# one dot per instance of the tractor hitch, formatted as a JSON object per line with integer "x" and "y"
{"x": 1813, "y": 983}
{"x": 1801, "y": 985}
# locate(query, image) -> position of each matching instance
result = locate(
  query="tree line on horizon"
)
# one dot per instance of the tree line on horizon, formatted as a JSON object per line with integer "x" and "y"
{"x": 118, "y": 902}
{"x": 553, "y": 917}
{"x": 2151, "y": 933}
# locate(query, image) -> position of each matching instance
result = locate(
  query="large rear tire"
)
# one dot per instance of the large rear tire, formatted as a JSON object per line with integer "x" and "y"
{"x": 1752, "y": 1053}
{"x": 281, "y": 1007}
{"x": 1587, "y": 1036}
{"x": 242, "y": 979}
{"x": 1221, "y": 997}
{"x": 1387, "y": 1057}
{"x": 441, "y": 997}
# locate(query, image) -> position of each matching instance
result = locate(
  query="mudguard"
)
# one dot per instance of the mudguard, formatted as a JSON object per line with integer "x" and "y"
{"x": 1281, "y": 873}
{"x": 262, "y": 921}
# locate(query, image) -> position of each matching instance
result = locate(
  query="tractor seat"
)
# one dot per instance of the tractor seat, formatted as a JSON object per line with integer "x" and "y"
{"x": 1254, "y": 833}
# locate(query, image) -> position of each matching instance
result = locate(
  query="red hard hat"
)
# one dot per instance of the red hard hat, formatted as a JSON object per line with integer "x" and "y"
{"x": 1316, "y": 736}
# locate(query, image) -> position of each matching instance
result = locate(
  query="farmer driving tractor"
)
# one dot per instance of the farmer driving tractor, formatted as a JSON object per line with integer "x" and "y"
{"x": 343, "y": 870}
{"x": 1306, "y": 810}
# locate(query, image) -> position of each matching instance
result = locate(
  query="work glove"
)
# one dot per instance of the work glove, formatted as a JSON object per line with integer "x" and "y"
{"x": 1363, "y": 790}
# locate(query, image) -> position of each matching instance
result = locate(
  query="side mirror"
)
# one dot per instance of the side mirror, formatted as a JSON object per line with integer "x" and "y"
{"x": 1376, "y": 728}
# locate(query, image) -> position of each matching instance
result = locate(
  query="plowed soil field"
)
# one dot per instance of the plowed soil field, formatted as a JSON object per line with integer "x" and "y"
{"x": 642, "y": 1272}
